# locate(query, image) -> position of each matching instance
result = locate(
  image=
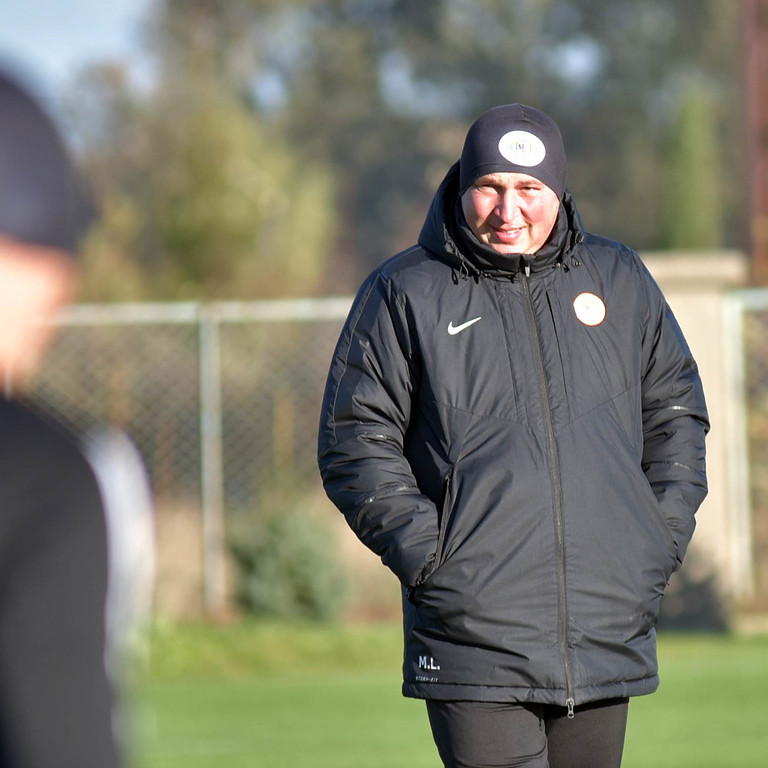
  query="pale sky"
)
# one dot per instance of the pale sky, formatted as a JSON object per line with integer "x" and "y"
{"x": 46, "y": 41}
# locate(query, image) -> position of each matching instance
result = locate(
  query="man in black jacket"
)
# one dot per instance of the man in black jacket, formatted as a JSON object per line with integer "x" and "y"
{"x": 72, "y": 511}
{"x": 514, "y": 423}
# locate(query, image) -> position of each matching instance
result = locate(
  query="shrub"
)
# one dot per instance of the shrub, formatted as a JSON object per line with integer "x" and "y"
{"x": 287, "y": 566}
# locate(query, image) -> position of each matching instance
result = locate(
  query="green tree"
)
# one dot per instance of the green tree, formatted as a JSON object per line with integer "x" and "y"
{"x": 202, "y": 197}
{"x": 692, "y": 205}
{"x": 233, "y": 209}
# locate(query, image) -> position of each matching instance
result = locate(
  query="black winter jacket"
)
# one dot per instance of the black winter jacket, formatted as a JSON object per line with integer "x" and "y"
{"x": 528, "y": 466}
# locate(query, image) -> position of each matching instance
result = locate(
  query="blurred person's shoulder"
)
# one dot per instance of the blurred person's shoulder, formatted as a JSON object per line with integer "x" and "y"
{"x": 47, "y": 487}
{"x": 27, "y": 434}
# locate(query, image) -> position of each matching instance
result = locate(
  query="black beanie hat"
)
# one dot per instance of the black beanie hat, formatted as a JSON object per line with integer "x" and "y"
{"x": 41, "y": 199}
{"x": 514, "y": 138}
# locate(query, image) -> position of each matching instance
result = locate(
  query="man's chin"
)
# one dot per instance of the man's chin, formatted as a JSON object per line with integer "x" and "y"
{"x": 505, "y": 249}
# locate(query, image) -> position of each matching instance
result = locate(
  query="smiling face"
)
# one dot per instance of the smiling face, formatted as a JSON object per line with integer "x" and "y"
{"x": 511, "y": 212}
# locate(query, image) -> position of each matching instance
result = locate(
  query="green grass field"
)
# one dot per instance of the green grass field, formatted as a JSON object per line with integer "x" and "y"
{"x": 278, "y": 696}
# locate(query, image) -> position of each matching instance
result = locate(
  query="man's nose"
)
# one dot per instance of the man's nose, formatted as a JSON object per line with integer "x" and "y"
{"x": 509, "y": 205}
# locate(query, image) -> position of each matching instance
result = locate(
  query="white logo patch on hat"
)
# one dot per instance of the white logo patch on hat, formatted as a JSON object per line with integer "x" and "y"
{"x": 590, "y": 309}
{"x": 522, "y": 148}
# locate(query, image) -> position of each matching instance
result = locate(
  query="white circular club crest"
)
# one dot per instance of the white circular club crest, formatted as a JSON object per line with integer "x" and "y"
{"x": 522, "y": 148}
{"x": 590, "y": 309}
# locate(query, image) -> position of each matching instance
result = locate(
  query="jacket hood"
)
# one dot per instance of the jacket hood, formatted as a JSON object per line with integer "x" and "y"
{"x": 446, "y": 234}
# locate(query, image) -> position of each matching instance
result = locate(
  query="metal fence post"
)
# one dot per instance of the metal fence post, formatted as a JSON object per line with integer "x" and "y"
{"x": 742, "y": 572}
{"x": 214, "y": 570}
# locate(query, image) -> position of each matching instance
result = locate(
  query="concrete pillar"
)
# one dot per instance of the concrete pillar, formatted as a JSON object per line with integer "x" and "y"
{"x": 696, "y": 285}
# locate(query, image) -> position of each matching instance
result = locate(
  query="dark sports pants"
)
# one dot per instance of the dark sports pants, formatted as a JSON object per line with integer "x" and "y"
{"x": 478, "y": 734}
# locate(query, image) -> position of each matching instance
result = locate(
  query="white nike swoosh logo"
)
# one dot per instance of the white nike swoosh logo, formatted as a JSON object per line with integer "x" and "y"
{"x": 454, "y": 329}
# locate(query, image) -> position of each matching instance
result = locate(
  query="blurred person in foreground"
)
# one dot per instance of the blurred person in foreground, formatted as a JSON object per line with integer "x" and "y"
{"x": 75, "y": 526}
{"x": 514, "y": 423}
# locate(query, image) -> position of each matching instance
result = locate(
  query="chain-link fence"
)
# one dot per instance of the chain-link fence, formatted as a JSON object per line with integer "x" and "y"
{"x": 221, "y": 399}
{"x": 223, "y": 402}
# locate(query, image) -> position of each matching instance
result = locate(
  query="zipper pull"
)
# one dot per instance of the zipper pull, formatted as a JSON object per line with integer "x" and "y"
{"x": 569, "y": 703}
{"x": 527, "y": 268}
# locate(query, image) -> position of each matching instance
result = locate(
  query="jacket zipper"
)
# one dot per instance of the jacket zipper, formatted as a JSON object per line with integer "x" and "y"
{"x": 554, "y": 464}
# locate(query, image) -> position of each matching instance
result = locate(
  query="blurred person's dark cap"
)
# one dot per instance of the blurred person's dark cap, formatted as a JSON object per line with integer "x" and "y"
{"x": 514, "y": 138}
{"x": 42, "y": 200}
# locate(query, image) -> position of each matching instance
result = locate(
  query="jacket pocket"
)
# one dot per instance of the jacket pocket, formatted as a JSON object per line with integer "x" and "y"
{"x": 445, "y": 517}
{"x": 661, "y": 522}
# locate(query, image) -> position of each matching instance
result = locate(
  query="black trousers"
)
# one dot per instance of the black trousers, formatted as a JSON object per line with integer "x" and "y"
{"x": 478, "y": 734}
